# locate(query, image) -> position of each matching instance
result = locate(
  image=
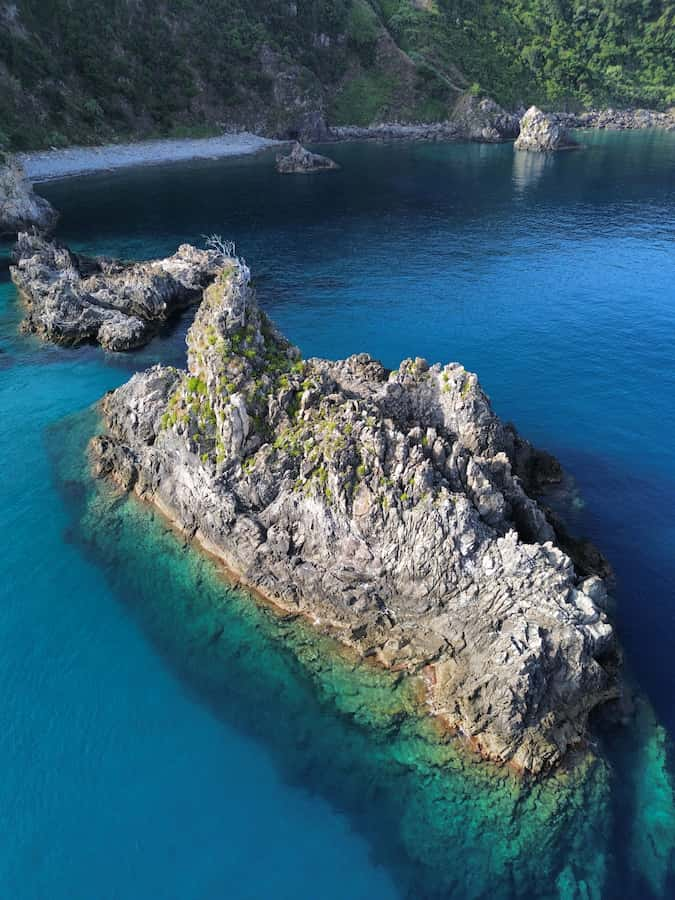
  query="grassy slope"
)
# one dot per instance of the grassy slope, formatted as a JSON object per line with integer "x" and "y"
{"x": 94, "y": 70}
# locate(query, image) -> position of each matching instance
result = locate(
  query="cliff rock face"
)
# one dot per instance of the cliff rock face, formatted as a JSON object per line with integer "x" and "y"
{"x": 71, "y": 299}
{"x": 540, "y": 133}
{"x": 484, "y": 120}
{"x": 296, "y": 107}
{"x": 393, "y": 509}
{"x": 21, "y": 209}
{"x": 303, "y": 162}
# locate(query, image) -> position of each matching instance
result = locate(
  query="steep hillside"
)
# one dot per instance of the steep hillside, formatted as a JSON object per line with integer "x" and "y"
{"x": 96, "y": 70}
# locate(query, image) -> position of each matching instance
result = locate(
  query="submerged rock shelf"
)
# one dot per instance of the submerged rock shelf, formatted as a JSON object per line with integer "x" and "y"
{"x": 394, "y": 510}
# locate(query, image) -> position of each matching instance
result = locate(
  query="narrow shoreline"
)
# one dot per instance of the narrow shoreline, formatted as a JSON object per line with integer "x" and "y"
{"x": 52, "y": 165}
{"x": 57, "y": 164}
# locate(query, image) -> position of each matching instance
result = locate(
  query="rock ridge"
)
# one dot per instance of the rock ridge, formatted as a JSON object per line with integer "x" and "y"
{"x": 395, "y": 510}
{"x": 74, "y": 299}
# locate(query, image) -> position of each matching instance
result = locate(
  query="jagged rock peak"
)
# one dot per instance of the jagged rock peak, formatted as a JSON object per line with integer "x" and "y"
{"x": 394, "y": 509}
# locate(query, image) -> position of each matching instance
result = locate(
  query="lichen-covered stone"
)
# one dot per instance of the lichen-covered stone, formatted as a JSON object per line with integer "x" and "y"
{"x": 393, "y": 509}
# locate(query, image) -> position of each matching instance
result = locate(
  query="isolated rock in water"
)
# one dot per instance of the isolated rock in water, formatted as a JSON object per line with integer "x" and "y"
{"x": 484, "y": 120}
{"x": 540, "y": 132}
{"x": 21, "y": 209}
{"x": 302, "y": 161}
{"x": 393, "y": 509}
{"x": 73, "y": 299}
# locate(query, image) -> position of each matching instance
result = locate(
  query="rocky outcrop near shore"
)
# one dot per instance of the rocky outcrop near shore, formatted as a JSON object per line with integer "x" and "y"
{"x": 73, "y": 299}
{"x": 540, "y": 132}
{"x": 472, "y": 119}
{"x": 619, "y": 119}
{"x": 393, "y": 509}
{"x": 397, "y": 131}
{"x": 483, "y": 120}
{"x": 21, "y": 209}
{"x": 303, "y": 162}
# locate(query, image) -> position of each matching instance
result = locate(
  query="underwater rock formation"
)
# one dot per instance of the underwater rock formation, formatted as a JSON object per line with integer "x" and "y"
{"x": 540, "y": 133}
{"x": 302, "y": 161}
{"x": 393, "y": 509}
{"x": 21, "y": 209}
{"x": 73, "y": 299}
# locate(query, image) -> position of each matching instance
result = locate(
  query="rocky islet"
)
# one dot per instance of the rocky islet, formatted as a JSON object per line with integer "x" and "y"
{"x": 393, "y": 509}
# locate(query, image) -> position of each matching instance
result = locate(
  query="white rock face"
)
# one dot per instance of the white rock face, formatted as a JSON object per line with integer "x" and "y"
{"x": 541, "y": 133}
{"x": 393, "y": 508}
{"x": 20, "y": 208}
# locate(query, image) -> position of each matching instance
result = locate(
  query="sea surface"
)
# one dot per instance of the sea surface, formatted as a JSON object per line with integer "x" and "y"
{"x": 164, "y": 737}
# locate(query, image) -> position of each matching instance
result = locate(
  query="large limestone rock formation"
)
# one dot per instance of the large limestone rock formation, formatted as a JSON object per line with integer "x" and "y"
{"x": 21, "y": 209}
{"x": 393, "y": 509}
{"x": 72, "y": 299}
{"x": 539, "y": 132}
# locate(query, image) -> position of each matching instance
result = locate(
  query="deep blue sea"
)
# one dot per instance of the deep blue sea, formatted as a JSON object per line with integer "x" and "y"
{"x": 137, "y": 762}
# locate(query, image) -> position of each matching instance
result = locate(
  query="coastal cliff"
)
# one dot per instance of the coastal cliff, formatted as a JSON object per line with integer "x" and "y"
{"x": 394, "y": 510}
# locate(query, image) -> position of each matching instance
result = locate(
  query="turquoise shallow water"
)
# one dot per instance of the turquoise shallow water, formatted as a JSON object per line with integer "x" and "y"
{"x": 138, "y": 765}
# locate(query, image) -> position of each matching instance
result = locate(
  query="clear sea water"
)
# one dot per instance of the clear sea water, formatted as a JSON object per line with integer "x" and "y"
{"x": 164, "y": 738}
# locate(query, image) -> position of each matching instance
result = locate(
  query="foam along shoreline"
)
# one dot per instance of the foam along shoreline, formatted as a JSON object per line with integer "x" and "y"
{"x": 50, "y": 165}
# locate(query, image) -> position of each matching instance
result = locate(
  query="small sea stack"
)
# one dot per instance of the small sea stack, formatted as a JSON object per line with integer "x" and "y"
{"x": 542, "y": 133}
{"x": 301, "y": 161}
